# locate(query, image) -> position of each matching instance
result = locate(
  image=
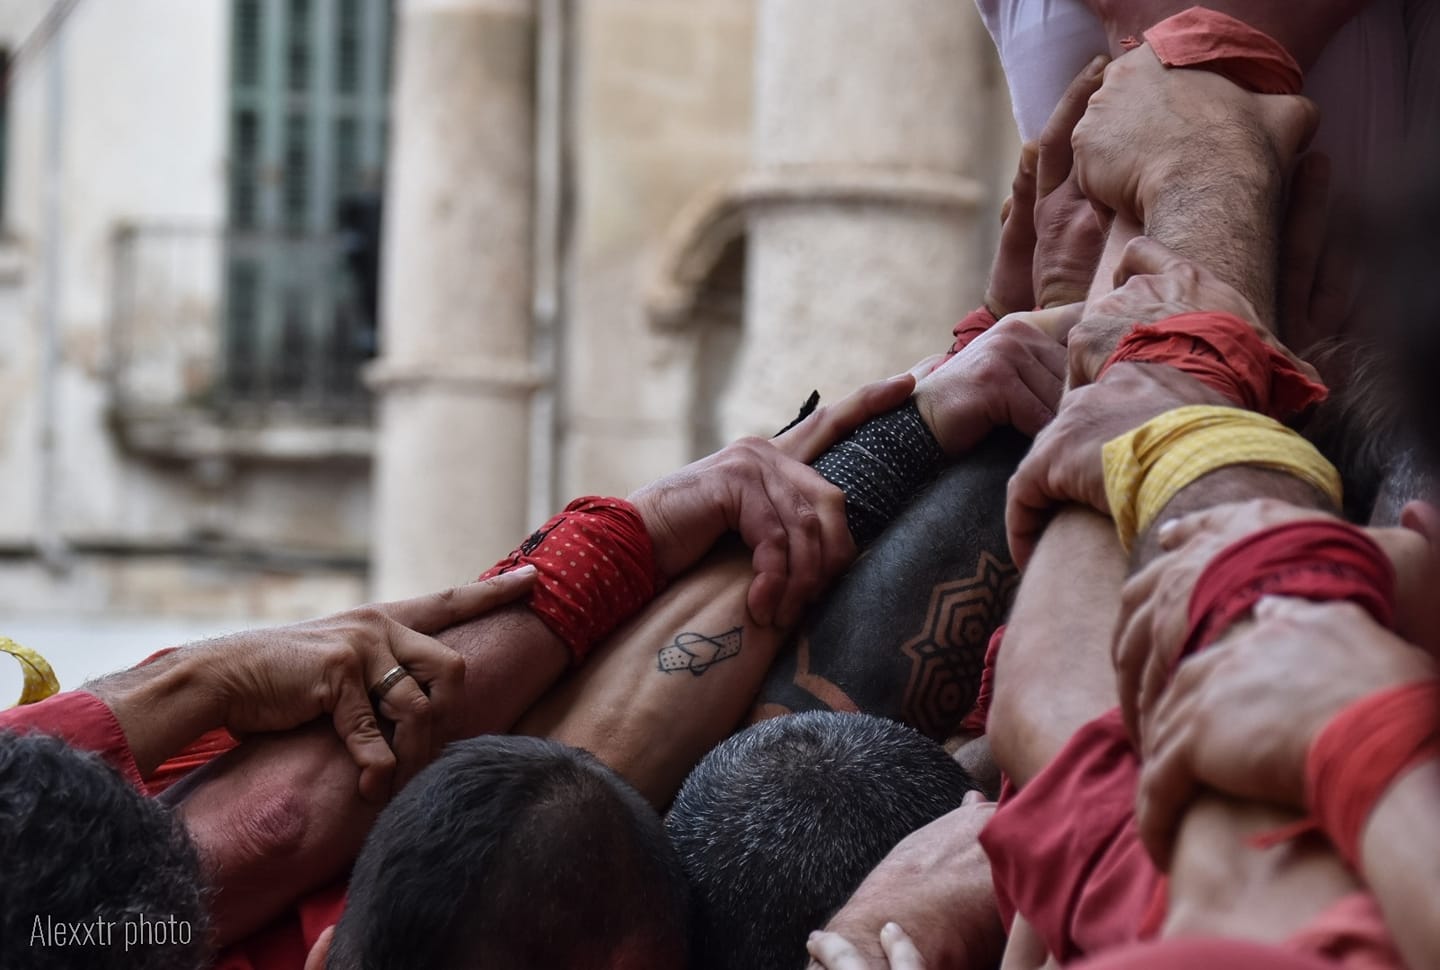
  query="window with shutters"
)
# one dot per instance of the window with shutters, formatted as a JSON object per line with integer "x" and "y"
{"x": 307, "y": 127}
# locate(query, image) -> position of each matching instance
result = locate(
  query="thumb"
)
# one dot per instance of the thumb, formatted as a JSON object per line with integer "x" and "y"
{"x": 355, "y": 722}
{"x": 1144, "y": 256}
{"x": 1291, "y": 121}
{"x": 1055, "y": 322}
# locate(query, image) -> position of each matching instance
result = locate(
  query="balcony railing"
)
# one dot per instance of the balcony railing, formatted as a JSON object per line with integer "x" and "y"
{"x": 246, "y": 329}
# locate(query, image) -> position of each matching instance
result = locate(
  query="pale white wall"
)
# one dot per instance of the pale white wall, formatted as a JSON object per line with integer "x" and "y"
{"x": 143, "y": 140}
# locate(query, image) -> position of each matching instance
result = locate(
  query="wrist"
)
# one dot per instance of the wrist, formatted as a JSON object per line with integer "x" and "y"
{"x": 164, "y": 705}
{"x": 881, "y": 467}
{"x": 1236, "y": 173}
{"x": 1364, "y": 751}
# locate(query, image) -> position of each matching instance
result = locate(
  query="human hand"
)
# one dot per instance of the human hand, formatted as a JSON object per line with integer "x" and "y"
{"x": 281, "y": 678}
{"x": 1241, "y": 717}
{"x": 829, "y": 423}
{"x": 1152, "y": 283}
{"x": 936, "y": 882}
{"x": 1012, "y": 375}
{"x": 1065, "y": 465}
{"x": 1147, "y": 123}
{"x": 830, "y": 951}
{"x": 1068, "y": 236}
{"x": 1011, "y": 286}
{"x": 792, "y": 519}
{"x": 1155, "y": 602}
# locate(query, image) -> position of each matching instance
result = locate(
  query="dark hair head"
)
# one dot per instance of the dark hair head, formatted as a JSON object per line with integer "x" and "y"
{"x": 1364, "y": 429}
{"x": 778, "y": 826}
{"x": 514, "y": 852}
{"x": 83, "y": 849}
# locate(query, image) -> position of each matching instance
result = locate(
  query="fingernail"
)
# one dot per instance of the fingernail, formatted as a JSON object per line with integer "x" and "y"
{"x": 526, "y": 570}
{"x": 1097, "y": 64}
{"x": 890, "y": 929}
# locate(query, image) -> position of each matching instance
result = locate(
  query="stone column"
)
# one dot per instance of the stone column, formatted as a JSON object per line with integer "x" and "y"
{"x": 455, "y": 376}
{"x": 871, "y": 136}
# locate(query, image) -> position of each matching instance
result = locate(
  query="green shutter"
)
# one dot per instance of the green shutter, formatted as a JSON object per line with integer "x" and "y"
{"x": 308, "y": 104}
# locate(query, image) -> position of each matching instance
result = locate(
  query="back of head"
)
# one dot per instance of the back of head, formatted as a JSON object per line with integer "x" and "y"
{"x": 519, "y": 853}
{"x": 903, "y": 633}
{"x": 95, "y": 874}
{"x": 778, "y": 826}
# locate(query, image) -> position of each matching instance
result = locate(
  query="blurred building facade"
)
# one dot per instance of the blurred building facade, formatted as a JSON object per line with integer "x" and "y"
{"x": 616, "y": 233}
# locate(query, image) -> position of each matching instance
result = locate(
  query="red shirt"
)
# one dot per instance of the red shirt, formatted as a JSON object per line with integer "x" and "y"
{"x": 86, "y": 722}
{"x": 1065, "y": 851}
{"x": 81, "y": 720}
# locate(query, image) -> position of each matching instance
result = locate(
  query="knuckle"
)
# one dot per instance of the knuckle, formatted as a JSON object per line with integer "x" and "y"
{"x": 368, "y": 617}
{"x": 452, "y": 665}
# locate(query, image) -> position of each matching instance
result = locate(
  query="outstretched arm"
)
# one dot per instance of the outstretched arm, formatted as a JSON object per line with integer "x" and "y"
{"x": 682, "y": 677}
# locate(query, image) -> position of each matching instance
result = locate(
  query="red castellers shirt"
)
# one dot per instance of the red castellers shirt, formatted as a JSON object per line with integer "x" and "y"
{"x": 86, "y": 723}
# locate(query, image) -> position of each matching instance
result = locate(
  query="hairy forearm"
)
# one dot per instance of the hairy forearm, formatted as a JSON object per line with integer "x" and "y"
{"x": 511, "y": 660}
{"x": 1223, "y": 210}
{"x": 164, "y": 705}
{"x": 1054, "y": 671}
{"x": 1400, "y": 861}
{"x": 282, "y": 815}
{"x": 669, "y": 685}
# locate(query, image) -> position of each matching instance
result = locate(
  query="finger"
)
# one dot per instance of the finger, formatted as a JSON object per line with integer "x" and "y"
{"x": 928, "y": 366}
{"x": 1173, "y": 714}
{"x": 1128, "y": 651}
{"x": 434, "y": 612}
{"x": 437, "y": 669}
{"x": 1167, "y": 623}
{"x": 837, "y": 544}
{"x": 1027, "y": 508}
{"x": 1056, "y": 154}
{"x": 357, "y": 726}
{"x": 1023, "y": 189}
{"x": 762, "y": 529}
{"x": 1031, "y": 404}
{"x": 405, "y": 705}
{"x": 804, "y": 544}
{"x": 973, "y": 797}
{"x": 762, "y": 599}
{"x": 833, "y": 952}
{"x": 1144, "y": 256}
{"x": 808, "y": 440}
{"x": 1167, "y": 782}
{"x": 900, "y": 949}
{"x": 1054, "y": 356}
{"x": 1055, "y": 322}
{"x": 1291, "y": 117}
{"x": 1166, "y": 787}
{"x": 1178, "y": 532}
{"x": 1287, "y": 609}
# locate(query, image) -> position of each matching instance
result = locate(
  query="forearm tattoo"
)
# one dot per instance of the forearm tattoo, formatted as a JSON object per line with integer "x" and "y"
{"x": 903, "y": 634}
{"x": 698, "y": 652}
{"x": 881, "y": 467}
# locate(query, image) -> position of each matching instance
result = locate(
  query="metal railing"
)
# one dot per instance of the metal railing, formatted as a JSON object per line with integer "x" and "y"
{"x": 251, "y": 328}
